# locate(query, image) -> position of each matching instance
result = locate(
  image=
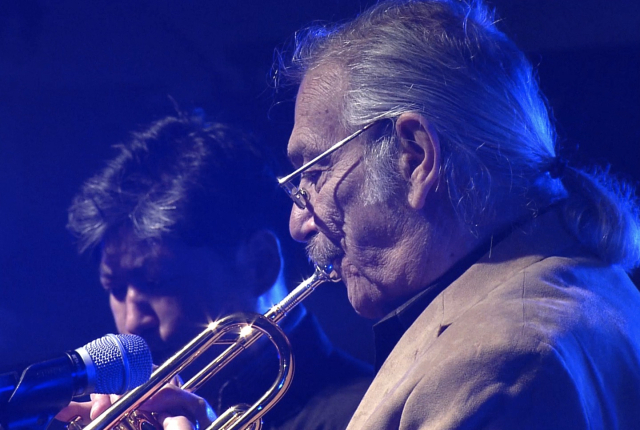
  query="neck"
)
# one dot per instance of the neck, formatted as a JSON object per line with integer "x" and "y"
{"x": 435, "y": 240}
{"x": 447, "y": 240}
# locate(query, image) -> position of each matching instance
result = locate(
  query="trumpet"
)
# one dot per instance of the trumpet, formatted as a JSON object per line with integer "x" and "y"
{"x": 124, "y": 413}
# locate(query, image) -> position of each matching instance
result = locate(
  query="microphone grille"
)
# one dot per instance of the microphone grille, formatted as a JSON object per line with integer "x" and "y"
{"x": 121, "y": 362}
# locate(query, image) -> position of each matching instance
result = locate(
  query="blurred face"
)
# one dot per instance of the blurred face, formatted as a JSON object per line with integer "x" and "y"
{"x": 166, "y": 291}
{"x": 363, "y": 241}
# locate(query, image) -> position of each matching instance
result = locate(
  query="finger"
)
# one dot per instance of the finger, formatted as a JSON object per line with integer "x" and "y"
{"x": 177, "y": 423}
{"x": 75, "y": 409}
{"x": 101, "y": 403}
{"x": 177, "y": 381}
{"x": 174, "y": 401}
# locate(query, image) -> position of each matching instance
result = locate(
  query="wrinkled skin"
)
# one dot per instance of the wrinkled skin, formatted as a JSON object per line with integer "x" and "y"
{"x": 386, "y": 251}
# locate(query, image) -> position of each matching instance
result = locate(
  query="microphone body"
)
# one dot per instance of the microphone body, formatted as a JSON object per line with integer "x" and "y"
{"x": 113, "y": 364}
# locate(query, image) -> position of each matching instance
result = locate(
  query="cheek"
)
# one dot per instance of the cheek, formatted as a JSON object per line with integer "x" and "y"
{"x": 171, "y": 316}
{"x": 119, "y": 312}
{"x": 363, "y": 295}
{"x": 330, "y": 216}
{"x": 371, "y": 233}
{"x": 339, "y": 202}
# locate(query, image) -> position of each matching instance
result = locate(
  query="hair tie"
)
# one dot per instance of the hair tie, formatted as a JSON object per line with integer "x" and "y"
{"x": 557, "y": 167}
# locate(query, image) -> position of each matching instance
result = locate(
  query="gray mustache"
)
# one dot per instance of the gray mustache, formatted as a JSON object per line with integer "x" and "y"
{"x": 321, "y": 250}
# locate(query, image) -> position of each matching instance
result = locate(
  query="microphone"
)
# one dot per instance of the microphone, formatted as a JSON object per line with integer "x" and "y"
{"x": 113, "y": 364}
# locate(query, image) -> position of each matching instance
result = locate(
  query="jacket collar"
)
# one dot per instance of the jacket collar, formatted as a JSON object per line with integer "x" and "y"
{"x": 472, "y": 278}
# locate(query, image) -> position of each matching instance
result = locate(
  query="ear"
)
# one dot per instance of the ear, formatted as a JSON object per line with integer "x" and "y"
{"x": 258, "y": 261}
{"x": 420, "y": 156}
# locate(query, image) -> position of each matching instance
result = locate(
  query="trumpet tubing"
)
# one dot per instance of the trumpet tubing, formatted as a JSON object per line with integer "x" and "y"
{"x": 123, "y": 414}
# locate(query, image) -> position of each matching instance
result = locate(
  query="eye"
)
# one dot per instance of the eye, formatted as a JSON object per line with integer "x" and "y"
{"x": 313, "y": 177}
{"x": 159, "y": 287}
{"x": 164, "y": 285}
{"x": 118, "y": 291}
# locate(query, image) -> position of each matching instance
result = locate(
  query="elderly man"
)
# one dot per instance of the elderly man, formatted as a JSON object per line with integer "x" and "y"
{"x": 498, "y": 270}
{"x": 183, "y": 223}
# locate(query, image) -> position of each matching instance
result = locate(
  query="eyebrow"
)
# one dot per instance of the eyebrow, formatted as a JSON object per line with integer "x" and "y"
{"x": 327, "y": 153}
{"x": 304, "y": 148}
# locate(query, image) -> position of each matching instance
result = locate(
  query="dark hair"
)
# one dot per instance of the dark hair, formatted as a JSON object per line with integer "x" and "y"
{"x": 205, "y": 184}
{"x": 447, "y": 60}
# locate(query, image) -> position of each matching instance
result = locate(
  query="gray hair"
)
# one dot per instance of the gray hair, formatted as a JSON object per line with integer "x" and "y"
{"x": 448, "y": 61}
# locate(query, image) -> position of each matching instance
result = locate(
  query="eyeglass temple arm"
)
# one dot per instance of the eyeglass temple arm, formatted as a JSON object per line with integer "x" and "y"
{"x": 334, "y": 148}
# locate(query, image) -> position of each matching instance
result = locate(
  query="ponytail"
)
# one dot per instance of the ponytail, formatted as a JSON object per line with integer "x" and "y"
{"x": 602, "y": 212}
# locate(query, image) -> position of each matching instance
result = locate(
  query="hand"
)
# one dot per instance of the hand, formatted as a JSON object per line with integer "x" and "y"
{"x": 179, "y": 410}
{"x": 88, "y": 411}
{"x": 176, "y": 409}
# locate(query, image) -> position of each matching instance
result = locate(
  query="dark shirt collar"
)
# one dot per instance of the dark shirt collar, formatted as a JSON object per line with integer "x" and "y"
{"x": 388, "y": 331}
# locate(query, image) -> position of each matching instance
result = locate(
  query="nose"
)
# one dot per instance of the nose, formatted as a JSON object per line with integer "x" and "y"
{"x": 301, "y": 224}
{"x": 140, "y": 315}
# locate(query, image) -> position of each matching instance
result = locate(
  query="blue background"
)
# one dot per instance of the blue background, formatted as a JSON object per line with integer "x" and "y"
{"x": 77, "y": 76}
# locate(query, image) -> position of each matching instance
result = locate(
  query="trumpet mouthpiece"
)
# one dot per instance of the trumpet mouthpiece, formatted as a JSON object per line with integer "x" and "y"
{"x": 327, "y": 272}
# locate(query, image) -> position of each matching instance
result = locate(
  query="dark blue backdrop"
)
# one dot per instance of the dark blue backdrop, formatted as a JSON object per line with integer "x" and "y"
{"x": 77, "y": 76}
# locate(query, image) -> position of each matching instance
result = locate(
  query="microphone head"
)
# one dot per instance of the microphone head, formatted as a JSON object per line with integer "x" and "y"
{"x": 116, "y": 363}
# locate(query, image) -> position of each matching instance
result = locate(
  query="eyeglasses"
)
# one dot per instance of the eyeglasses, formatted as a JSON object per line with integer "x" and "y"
{"x": 300, "y": 196}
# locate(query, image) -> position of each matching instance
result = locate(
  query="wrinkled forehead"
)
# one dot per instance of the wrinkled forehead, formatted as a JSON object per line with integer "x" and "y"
{"x": 319, "y": 106}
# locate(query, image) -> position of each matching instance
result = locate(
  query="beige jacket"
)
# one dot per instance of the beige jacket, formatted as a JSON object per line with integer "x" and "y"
{"x": 536, "y": 335}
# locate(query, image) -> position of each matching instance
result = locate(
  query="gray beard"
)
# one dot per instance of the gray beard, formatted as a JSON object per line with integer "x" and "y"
{"x": 322, "y": 251}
